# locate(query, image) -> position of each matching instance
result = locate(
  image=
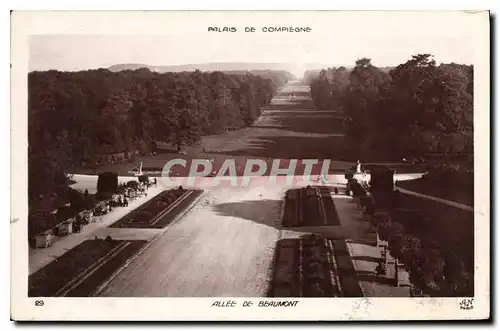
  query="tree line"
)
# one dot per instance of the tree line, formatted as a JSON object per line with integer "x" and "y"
{"x": 76, "y": 117}
{"x": 415, "y": 110}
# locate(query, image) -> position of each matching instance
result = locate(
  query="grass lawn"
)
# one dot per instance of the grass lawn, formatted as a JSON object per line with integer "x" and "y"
{"x": 464, "y": 195}
{"x": 450, "y": 227}
{"x": 47, "y": 281}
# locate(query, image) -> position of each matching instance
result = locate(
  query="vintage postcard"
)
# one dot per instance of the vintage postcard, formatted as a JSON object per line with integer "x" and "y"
{"x": 250, "y": 165}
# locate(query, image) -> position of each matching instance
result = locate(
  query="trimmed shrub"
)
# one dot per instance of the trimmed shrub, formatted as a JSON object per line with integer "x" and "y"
{"x": 65, "y": 213}
{"x": 349, "y": 175}
{"x": 357, "y": 190}
{"x": 396, "y": 242}
{"x": 107, "y": 182}
{"x": 410, "y": 250}
{"x": 432, "y": 265}
{"x": 101, "y": 196}
{"x": 143, "y": 179}
{"x": 133, "y": 184}
{"x": 456, "y": 276}
{"x": 384, "y": 223}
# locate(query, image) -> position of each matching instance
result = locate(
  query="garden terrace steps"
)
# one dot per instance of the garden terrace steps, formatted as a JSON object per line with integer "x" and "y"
{"x": 310, "y": 206}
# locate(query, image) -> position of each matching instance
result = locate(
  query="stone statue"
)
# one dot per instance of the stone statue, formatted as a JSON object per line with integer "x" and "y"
{"x": 358, "y": 167}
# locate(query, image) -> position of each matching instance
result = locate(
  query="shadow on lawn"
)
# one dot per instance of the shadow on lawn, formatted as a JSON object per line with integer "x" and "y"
{"x": 290, "y": 147}
{"x": 265, "y": 212}
{"x": 303, "y": 122}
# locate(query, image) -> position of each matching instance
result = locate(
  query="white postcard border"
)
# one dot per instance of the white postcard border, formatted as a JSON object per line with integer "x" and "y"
{"x": 25, "y": 24}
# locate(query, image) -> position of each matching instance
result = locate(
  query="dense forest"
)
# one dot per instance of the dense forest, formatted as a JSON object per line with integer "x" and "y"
{"x": 76, "y": 117}
{"x": 416, "y": 111}
{"x": 422, "y": 113}
{"x": 310, "y": 76}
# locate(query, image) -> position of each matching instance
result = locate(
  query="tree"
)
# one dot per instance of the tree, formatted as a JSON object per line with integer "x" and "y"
{"x": 361, "y": 105}
{"x": 432, "y": 266}
{"x": 133, "y": 184}
{"x": 186, "y": 127}
{"x": 417, "y": 109}
{"x": 456, "y": 276}
{"x": 80, "y": 118}
{"x": 410, "y": 250}
{"x": 396, "y": 239}
{"x": 107, "y": 182}
{"x": 143, "y": 179}
{"x": 383, "y": 223}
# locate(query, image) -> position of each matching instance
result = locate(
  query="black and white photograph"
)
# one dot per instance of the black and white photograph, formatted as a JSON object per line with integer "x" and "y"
{"x": 257, "y": 161}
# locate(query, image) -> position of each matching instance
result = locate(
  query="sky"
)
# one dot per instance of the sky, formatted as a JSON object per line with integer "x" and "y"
{"x": 336, "y": 38}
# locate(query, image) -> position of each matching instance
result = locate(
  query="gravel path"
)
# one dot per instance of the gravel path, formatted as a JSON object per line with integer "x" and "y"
{"x": 223, "y": 247}
{"x": 40, "y": 257}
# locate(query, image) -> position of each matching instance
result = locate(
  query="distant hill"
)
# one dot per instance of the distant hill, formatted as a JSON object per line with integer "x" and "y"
{"x": 230, "y": 66}
{"x": 293, "y": 68}
{"x": 279, "y": 77}
{"x": 277, "y": 72}
{"x": 387, "y": 69}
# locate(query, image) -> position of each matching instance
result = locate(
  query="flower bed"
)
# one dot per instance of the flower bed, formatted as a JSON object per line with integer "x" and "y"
{"x": 54, "y": 279}
{"x": 309, "y": 206}
{"x": 304, "y": 267}
{"x": 149, "y": 214}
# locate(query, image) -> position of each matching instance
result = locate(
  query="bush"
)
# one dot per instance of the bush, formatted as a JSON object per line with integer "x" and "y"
{"x": 81, "y": 201}
{"x": 77, "y": 200}
{"x": 65, "y": 213}
{"x": 396, "y": 242}
{"x": 143, "y": 179}
{"x": 133, "y": 184}
{"x": 101, "y": 196}
{"x": 349, "y": 175}
{"x": 121, "y": 190}
{"x": 357, "y": 190}
{"x": 368, "y": 204}
{"x": 366, "y": 201}
{"x": 456, "y": 276}
{"x": 107, "y": 182}
{"x": 410, "y": 250}
{"x": 432, "y": 264}
{"x": 381, "y": 216}
{"x": 384, "y": 225}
